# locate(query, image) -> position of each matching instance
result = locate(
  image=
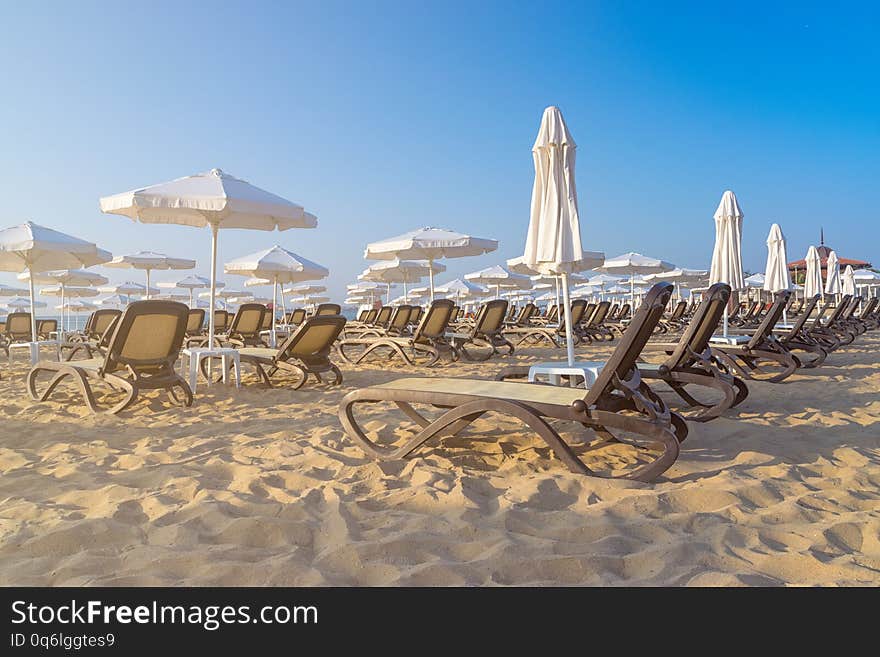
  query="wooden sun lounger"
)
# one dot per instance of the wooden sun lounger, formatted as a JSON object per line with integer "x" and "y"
{"x": 617, "y": 406}
{"x": 140, "y": 356}
{"x": 423, "y": 348}
{"x": 482, "y": 341}
{"x": 763, "y": 346}
{"x": 305, "y": 351}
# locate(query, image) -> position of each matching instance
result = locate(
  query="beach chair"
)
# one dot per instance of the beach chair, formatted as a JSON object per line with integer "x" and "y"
{"x": 95, "y": 335}
{"x": 593, "y": 327}
{"x": 763, "y": 346}
{"x": 619, "y": 407}
{"x": 390, "y": 320}
{"x": 296, "y": 316}
{"x": 245, "y": 328}
{"x": 194, "y": 321}
{"x": 305, "y": 351}
{"x": 141, "y": 355}
{"x": 45, "y": 328}
{"x": 328, "y": 309}
{"x": 555, "y": 335}
{"x": 482, "y": 341}
{"x": 424, "y": 348}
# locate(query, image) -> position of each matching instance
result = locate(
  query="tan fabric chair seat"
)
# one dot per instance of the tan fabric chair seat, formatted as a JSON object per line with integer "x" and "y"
{"x": 258, "y": 352}
{"x": 523, "y": 392}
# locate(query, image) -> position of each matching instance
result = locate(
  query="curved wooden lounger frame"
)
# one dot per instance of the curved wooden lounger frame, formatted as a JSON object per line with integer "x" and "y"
{"x": 151, "y": 368}
{"x": 619, "y": 401}
{"x": 764, "y": 347}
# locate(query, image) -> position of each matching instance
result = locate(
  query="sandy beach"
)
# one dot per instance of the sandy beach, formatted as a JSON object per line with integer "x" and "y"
{"x": 261, "y": 487}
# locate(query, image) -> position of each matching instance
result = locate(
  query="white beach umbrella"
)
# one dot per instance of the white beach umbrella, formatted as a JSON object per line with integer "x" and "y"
{"x": 498, "y": 277}
{"x": 9, "y": 291}
{"x": 727, "y": 254}
{"x": 461, "y": 289}
{"x": 213, "y": 199}
{"x": 832, "y": 274}
{"x": 113, "y": 301}
{"x": 76, "y": 306}
{"x": 755, "y": 280}
{"x": 634, "y": 264}
{"x": 32, "y": 248}
{"x": 190, "y": 283}
{"x": 149, "y": 261}
{"x": 22, "y": 303}
{"x": 679, "y": 276}
{"x": 813, "y": 277}
{"x": 553, "y": 240}
{"x": 848, "y": 281}
{"x": 419, "y": 292}
{"x": 313, "y": 288}
{"x": 588, "y": 260}
{"x": 71, "y": 292}
{"x": 396, "y": 270}
{"x": 65, "y": 278}
{"x": 429, "y": 244}
{"x": 276, "y": 265}
{"x": 127, "y": 289}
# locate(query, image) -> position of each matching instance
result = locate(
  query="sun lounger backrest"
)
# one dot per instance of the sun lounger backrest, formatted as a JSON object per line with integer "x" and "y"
{"x": 804, "y": 316}
{"x": 624, "y": 311}
{"x": 578, "y": 310}
{"x": 248, "y": 320}
{"x": 383, "y": 316}
{"x": 623, "y": 359}
{"x": 435, "y": 321}
{"x": 194, "y": 320}
{"x": 313, "y": 339}
{"x": 678, "y": 311}
{"x": 149, "y": 334}
{"x": 18, "y": 326}
{"x": 868, "y": 308}
{"x": 369, "y": 316}
{"x": 491, "y": 316}
{"x": 835, "y": 314}
{"x": 46, "y": 326}
{"x": 400, "y": 318}
{"x": 102, "y": 320}
{"x": 221, "y": 320}
{"x": 765, "y": 328}
{"x": 599, "y": 314}
{"x": 612, "y": 314}
{"x": 328, "y": 309}
{"x": 266, "y": 324}
{"x": 297, "y": 316}
{"x": 701, "y": 327}
{"x": 415, "y": 314}
{"x": 362, "y": 315}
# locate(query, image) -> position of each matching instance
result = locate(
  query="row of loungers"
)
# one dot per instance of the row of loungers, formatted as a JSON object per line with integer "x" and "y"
{"x": 139, "y": 348}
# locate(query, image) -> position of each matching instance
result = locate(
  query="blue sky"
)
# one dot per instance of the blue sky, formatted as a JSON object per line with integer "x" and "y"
{"x": 383, "y": 117}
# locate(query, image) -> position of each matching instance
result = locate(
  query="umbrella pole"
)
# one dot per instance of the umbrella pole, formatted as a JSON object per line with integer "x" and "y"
{"x": 148, "y": 283}
{"x": 274, "y": 301}
{"x": 214, "y": 229}
{"x": 569, "y": 338}
{"x": 556, "y": 280}
{"x": 431, "y": 277}
{"x": 33, "y": 310}
{"x": 388, "y": 294}
{"x": 190, "y": 297}
{"x": 405, "y": 296}
{"x": 63, "y": 325}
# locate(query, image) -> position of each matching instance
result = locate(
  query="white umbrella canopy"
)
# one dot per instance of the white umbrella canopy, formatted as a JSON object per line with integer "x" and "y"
{"x": 32, "y": 248}
{"x": 866, "y": 277}
{"x": 72, "y": 292}
{"x": 632, "y": 263}
{"x": 419, "y": 292}
{"x": 813, "y": 276}
{"x": 22, "y": 303}
{"x": 127, "y": 288}
{"x": 149, "y": 261}
{"x": 191, "y": 283}
{"x": 498, "y": 277}
{"x": 832, "y": 274}
{"x": 276, "y": 265}
{"x": 406, "y": 272}
{"x": 212, "y": 199}
{"x": 429, "y": 244}
{"x": 588, "y": 260}
{"x": 114, "y": 300}
{"x": 75, "y": 277}
{"x": 776, "y": 276}
{"x": 755, "y": 280}
{"x": 9, "y": 291}
{"x": 461, "y": 288}
{"x": 76, "y": 306}
{"x": 312, "y": 288}
{"x": 727, "y": 253}
{"x": 847, "y": 280}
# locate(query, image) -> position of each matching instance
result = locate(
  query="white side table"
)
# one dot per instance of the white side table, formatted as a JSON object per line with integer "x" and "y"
{"x": 587, "y": 370}
{"x": 228, "y": 359}
{"x": 34, "y": 348}
{"x": 730, "y": 339}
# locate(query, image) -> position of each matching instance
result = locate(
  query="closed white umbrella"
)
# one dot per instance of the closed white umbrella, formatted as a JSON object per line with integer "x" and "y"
{"x": 832, "y": 274}
{"x": 498, "y": 277}
{"x": 848, "y": 281}
{"x": 149, "y": 261}
{"x": 213, "y": 199}
{"x": 813, "y": 277}
{"x": 429, "y": 244}
{"x": 32, "y": 248}
{"x": 276, "y": 265}
{"x": 190, "y": 283}
{"x": 727, "y": 254}
{"x": 553, "y": 240}
{"x": 776, "y": 276}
